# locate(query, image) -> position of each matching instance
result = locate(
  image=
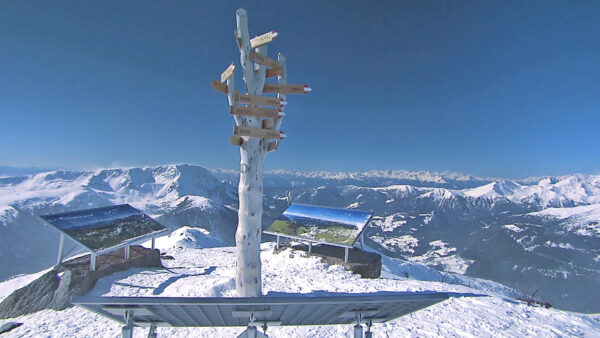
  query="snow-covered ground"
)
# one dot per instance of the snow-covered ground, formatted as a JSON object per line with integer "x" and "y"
{"x": 583, "y": 220}
{"x": 209, "y": 272}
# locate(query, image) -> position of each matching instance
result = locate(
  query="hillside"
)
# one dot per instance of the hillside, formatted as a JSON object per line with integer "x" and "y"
{"x": 484, "y": 309}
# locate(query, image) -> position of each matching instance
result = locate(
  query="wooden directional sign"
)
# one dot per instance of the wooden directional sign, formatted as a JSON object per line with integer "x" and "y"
{"x": 263, "y": 60}
{"x": 262, "y": 39}
{"x": 251, "y": 111}
{"x": 257, "y": 132}
{"x": 268, "y": 123}
{"x": 236, "y": 140}
{"x": 218, "y": 86}
{"x": 228, "y": 72}
{"x": 286, "y": 88}
{"x": 274, "y": 72}
{"x": 257, "y": 100}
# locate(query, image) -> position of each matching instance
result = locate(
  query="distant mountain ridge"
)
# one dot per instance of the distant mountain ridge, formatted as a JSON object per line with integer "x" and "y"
{"x": 536, "y": 233}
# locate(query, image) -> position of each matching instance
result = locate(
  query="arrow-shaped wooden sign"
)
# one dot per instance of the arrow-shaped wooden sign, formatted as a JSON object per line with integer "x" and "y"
{"x": 257, "y": 132}
{"x": 274, "y": 72}
{"x": 228, "y": 72}
{"x": 258, "y": 100}
{"x": 286, "y": 88}
{"x": 263, "y": 60}
{"x": 262, "y": 39}
{"x": 252, "y": 111}
{"x": 236, "y": 140}
{"x": 218, "y": 86}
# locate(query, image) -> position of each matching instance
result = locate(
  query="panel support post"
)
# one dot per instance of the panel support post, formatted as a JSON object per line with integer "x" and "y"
{"x": 368, "y": 333}
{"x": 358, "y": 331}
{"x": 61, "y": 249}
{"x": 152, "y": 331}
{"x": 127, "y": 330}
{"x": 309, "y": 247}
{"x": 362, "y": 241}
{"x": 153, "y": 244}
{"x": 346, "y": 255}
{"x": 127, "y": 251}
{"x": 278, "y": 239}
{"x": 93, "y": 261}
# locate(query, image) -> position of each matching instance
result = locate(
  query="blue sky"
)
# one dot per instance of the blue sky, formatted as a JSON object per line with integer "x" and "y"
{"x": 507, "y": 88}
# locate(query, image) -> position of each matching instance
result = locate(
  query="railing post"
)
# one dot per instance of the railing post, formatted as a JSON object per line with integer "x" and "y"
{"x": 93, "y": 261}
{"x": 61, "y": 249}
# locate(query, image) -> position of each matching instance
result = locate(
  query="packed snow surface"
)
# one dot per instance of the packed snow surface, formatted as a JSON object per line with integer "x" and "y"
{"x": 210, "y": 272}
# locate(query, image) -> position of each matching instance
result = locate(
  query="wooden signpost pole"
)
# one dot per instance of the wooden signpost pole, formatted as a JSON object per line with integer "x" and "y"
{"x": 256, "y": 132}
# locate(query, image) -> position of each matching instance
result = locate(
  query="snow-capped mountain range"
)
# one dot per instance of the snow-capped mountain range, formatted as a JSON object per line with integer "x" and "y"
{"x": 534, "y": 234}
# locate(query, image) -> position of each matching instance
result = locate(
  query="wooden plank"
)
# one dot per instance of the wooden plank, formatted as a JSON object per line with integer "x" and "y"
{"x": 262, "y": 39}
{"x": 268, "y": 123}
{"x": 259, "y": 133}
{"x": 258, "y": 100}
{"x": 274, "y": 72}
{"x": 255, "y": 111}
{"x": 263, "y": 60}
{"x": 228, "y": 72}
{"x": 236, "y": 140}
{"x": 273, "y": 146}
{"x": 286, "y": 88}
{"x": 218, "y": 86}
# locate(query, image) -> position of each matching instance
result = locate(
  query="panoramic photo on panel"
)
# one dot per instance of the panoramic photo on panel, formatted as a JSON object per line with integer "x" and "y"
{"x": 103, "y": 228}
{"x": 329, "y": 225}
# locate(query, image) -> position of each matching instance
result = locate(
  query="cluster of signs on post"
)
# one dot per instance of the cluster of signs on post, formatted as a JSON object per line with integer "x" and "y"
{"x": 251, "y": 103}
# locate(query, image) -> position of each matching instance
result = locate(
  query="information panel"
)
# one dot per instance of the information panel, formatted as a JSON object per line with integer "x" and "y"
{"x": 322, "y": 224}
{"x": 103, "y": 228}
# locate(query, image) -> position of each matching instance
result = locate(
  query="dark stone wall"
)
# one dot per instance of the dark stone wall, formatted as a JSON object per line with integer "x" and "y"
{"x": 54, "y": 289}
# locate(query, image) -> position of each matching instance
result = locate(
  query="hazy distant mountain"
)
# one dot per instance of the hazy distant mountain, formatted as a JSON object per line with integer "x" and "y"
{"x": 534, "y": 234}
{"x": 538, "y": 234}
{"x": 8, "y": 171}
{"x": 175, "y": 195}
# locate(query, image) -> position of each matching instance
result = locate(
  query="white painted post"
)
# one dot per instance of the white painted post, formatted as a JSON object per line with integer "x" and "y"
{"x": 61, "y": 249}
{"x": 278, "y": 239}
{"x": 346, "y": 255}
{"x": 253, "y": 150}
{"x": 127, "y": 252}
{"x": 93, "y": 261}
{"x": 250, "y": 190}
{"x": 153, "y": 243}
{"x": 309, "y": 247}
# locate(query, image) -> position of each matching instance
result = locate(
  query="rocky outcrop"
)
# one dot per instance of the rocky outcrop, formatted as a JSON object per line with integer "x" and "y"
{"x": 366, "y": 264}
{"x": 7, "y": 327}
{"x": 54, "y": 289}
